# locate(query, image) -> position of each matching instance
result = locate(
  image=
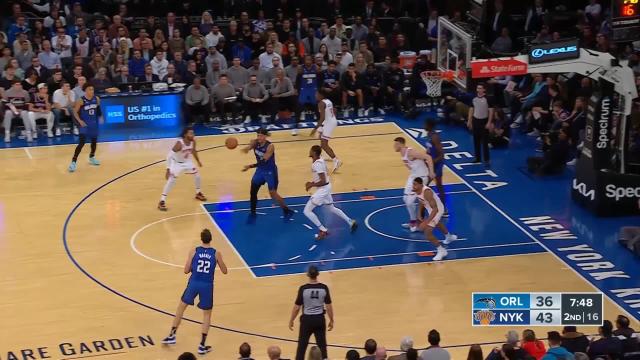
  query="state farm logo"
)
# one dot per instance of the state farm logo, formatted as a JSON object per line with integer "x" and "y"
{"x": 503, "y": 68}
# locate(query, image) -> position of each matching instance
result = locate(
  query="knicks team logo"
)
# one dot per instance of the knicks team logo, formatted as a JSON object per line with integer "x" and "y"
{"x": 115, "y": 114}
{"x": 484, "y": 317}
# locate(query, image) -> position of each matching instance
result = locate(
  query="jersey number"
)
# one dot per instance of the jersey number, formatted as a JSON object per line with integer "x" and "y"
{"x": 315, "y": 294}
{"x": 203, "y": 266}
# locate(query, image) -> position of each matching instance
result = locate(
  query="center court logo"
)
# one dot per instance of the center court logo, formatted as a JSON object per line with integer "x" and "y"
{"x": 115, "y": 114}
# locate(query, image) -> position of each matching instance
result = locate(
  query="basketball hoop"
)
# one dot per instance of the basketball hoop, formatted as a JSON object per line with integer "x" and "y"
{"x": 433, "y": 81}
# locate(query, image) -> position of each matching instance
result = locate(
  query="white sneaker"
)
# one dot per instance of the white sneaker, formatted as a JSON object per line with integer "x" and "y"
{"x": 440, "y": 254}
{"x": 294, "y": 132}
{"x": 345, "y": 113}
{"x": 76, "y": 131}
{"x": 514, "y": 125}
{"x": 29, "y": 137}
{"x": 572, "y": 162}
{"x": 58, "y": 132}
{"x": 7, "y": 136}
{"x": 247, "y": 120}
{"x": 449, "y": 238}
{"x": 535, "y": 132}
{"x": 381, "y": 111}
{"x": 35, "y": 134}
{"x": 49, "y": 133}
{"x": 406, "y": 225}
{"x": 263, "y": 120}
{"x": 360, "y": 113}
{"x": 580, "y": 146}
{"x": 413, "y": 229}
{"x": 303, "y": 116}
{"x": 336, "y": 165}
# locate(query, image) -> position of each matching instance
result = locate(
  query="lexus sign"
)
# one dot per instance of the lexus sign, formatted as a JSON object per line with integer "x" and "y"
{"x": 556, "y": 51}
{"x": 497, "y": 67}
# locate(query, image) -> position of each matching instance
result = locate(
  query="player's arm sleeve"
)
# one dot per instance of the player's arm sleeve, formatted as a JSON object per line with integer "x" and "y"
{"x": 327, "y": 299}
{"x": 299, "y": 300}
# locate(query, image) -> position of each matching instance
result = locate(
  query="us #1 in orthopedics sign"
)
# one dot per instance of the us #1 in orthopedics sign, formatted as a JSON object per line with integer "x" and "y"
{"x": 556, "y": 51}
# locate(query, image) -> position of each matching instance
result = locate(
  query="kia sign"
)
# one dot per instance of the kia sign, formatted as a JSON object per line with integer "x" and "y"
{"x": 561, "y": 50}
{"x": 497, "y": 67}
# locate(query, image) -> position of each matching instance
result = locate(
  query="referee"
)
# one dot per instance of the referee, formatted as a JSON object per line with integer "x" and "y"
{"x": 480, "y": 122}
{"x": 313, "y": 298}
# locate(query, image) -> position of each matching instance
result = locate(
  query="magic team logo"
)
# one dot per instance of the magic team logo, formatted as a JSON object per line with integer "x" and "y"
{"x": 485, "y": 316}
{"x": 115, "y": 114}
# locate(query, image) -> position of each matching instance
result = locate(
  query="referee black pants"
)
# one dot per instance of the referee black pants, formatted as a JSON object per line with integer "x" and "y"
{"x": 480, "y": 139}
{"x": 316, "y": 325}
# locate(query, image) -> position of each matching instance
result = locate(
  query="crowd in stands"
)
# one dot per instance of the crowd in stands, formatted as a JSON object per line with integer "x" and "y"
{"x": 254, "y": 63}
{"x": 612, "y": 343}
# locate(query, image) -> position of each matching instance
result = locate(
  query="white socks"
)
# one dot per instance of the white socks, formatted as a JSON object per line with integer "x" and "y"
{"x": 340, "y": 213}
{"x": 167, "y": 187}
{"x": 308, "y": 212}
{"x": 198, "y": 180}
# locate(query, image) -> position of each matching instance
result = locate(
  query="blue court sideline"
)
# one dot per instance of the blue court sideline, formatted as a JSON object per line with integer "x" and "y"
{"x": 271, "y": 245}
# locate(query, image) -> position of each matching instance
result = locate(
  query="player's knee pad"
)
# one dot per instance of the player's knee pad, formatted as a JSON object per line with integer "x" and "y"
{"x": 409, "y": 199}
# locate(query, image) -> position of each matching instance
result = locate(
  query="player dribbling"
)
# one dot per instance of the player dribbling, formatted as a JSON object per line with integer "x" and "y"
{"x": 327, "y": 123}
{"x": 322, "y": 196}
{"x": 435, "y": 209}
{"x": 180, "y": 161}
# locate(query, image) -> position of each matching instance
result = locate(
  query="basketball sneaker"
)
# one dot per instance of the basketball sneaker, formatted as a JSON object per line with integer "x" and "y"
{"x": 200, "y": 196}
{"x": 446, "y": 213}
{"x": 76, "y": 131}
{"x": 294, "y": 132}
{"x": 321, "y": 235}
{"x": 35, "y": 134}
{"x": 73, "y": 166}
{"x": 354, "y": 225}
{"x": 413, "y": 228}
{"x": 440, "y": 254}
{"x": 336, "y": 165}
{"x": 169, "y": 340}
{"x": 449, "y": 238}
{"x": 162, "y": 206}
{"x": 203, "y": 349}
{"x": 93, "y": 161}
{"x": 288, "y": 213}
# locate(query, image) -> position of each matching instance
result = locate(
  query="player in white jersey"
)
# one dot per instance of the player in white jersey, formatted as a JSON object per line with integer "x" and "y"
{"x": 322, "y": 196}
{"x": 327, "y": 123}
{"x": 435, "y": 209}
{"x": 420, "y": 165}
{"x": 180, "y": 161}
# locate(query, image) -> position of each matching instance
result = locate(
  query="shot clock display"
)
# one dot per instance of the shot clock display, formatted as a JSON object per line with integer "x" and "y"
{"x": 628, "y": 8}
{"x": 536, "y": 309}
{"x": 625, "y": 20}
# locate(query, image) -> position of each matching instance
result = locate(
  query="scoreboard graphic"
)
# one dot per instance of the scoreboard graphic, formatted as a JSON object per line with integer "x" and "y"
{"x": 536, "y": 309}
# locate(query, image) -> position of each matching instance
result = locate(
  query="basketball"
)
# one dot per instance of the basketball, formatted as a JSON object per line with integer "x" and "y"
{"x": 231, "y": 143}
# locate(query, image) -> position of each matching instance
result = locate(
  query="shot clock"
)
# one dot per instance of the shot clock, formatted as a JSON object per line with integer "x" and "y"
{"x": 536, "y": 309}
{"x": 625, "y": 20}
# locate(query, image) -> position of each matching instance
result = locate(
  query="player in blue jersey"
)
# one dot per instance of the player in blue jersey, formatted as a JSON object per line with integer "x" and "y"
{"x": 86, "y": 113}
{"x": 201, "y": 263}
{"x": 266, "y": 171}
{"x": 307, "y": 85}
{"x": 434, "y": 148}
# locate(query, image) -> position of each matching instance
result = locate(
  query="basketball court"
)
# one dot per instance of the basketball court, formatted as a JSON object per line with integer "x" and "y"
{"x": 92, "y": 268}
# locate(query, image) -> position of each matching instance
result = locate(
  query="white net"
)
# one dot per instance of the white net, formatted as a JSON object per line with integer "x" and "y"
{"x": 433, "y": 81}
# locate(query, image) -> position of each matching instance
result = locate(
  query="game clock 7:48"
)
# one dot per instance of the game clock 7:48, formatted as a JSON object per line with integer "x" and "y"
{"x": 582, "y": 309}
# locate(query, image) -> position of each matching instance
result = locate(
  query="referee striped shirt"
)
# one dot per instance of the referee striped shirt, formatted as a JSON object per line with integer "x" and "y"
{"x": 312, "y": 298}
